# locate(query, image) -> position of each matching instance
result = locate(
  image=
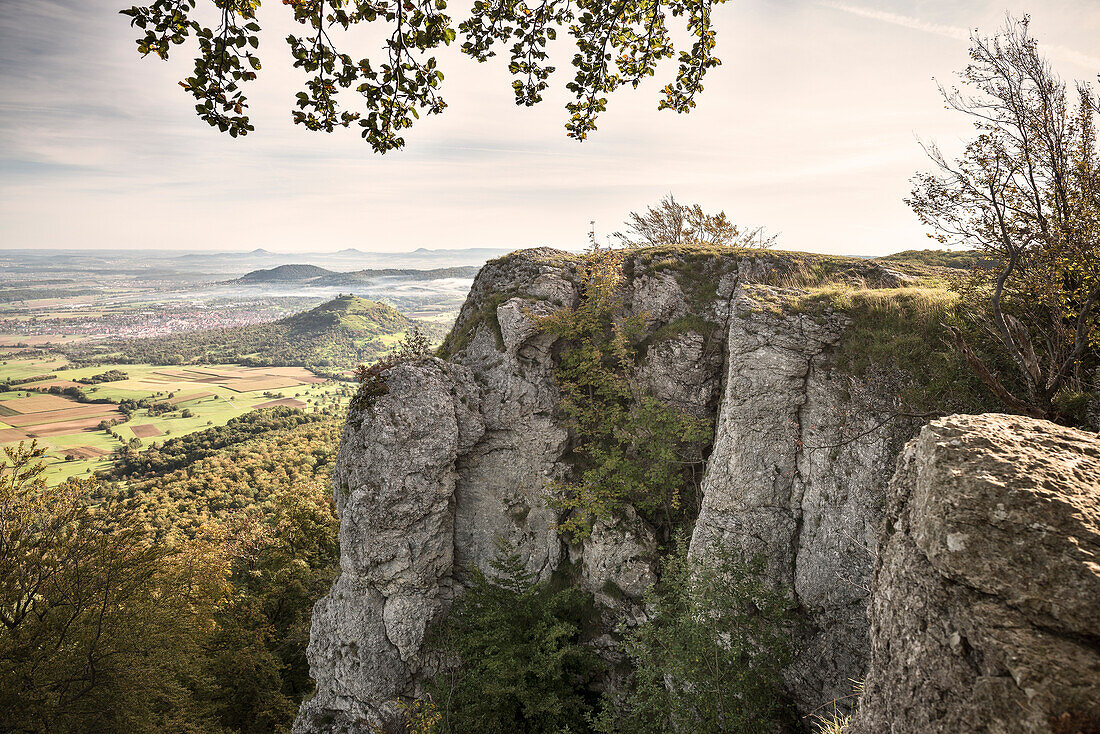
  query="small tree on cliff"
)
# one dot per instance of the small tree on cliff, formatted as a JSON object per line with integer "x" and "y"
{"x": 708, "y": 658}
{"x": 673, "y": 223}
{"x": 1026, "y": 191}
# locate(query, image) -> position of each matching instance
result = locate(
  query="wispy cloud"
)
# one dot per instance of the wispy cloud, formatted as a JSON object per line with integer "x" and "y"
{"x": 1062, "y": 53}
{"x": 905, "y": 21}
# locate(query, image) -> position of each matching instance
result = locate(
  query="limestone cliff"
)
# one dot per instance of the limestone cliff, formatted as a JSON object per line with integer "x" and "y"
{"x": 801, "y": 459}
{"x": 460, "y": 451}
{"x": 986, "y": 596}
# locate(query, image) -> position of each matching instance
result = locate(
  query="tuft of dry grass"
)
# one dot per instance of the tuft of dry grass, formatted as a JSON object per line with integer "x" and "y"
{"x": 835, "y": 722}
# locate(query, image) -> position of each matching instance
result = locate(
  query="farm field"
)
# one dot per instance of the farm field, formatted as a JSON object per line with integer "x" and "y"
{"x": 201, "y": 397}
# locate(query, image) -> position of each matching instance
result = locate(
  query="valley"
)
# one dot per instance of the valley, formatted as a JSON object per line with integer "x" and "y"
{"x": 84, "y": 438}
{"x": 195, "y": 340}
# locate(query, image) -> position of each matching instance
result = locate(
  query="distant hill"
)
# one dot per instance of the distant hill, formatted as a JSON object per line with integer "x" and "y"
{"x": 285, "y": 273}
{"x": 331, "y": 338}
{"x": 311, "y": 275}
{"x": 933, "y": 262}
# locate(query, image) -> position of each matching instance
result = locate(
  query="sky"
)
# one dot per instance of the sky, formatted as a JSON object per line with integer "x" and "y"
{"x": 810, "y": 128}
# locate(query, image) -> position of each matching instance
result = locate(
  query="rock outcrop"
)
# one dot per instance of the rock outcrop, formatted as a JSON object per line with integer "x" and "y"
{"x": 798, "y": 475}
{"x": 986, "y": 594}
{"x": 461, "y": 451}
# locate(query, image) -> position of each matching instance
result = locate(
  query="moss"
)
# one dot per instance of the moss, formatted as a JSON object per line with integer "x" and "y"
{"x": 690, "y": 323}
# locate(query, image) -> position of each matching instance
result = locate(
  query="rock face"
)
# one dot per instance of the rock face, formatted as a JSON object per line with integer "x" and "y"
{"x": 986, "y": 604}
{"x": 461, "y": 451}
{"x": 798, "y": 475}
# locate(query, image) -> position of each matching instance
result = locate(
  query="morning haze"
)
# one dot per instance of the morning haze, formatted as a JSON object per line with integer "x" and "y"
{"x": 778, "y": 417}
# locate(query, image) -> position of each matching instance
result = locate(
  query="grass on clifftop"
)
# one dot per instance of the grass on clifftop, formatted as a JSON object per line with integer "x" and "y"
{"x": 905, "y": 329}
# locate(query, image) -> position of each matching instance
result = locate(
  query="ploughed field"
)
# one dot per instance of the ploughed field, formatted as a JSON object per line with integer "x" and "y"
{"x": 78, "y": 435}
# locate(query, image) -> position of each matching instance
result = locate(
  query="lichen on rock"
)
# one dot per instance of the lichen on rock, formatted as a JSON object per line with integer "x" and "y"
{"x": 985, "y": 609}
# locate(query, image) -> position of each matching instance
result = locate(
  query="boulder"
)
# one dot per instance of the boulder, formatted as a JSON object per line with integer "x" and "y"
{"x": 985, "y": 605}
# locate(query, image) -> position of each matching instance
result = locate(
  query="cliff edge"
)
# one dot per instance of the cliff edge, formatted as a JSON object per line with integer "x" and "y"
{"x": 455, "y": 452}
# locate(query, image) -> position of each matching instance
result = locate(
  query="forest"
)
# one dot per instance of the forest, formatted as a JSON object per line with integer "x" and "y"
{"x": 678, "y": 483}
{"x": 178, "y": 602}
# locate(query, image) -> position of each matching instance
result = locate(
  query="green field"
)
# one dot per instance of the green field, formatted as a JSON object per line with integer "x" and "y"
{"x": 17, "y": 369}
{"x": 190, "y": 387}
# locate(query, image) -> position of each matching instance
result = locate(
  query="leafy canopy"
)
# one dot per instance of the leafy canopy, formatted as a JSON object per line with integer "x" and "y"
{"x": 1026, "y": 193}
{"x": 616, "y": 44}
{"x": 100, "y": 628}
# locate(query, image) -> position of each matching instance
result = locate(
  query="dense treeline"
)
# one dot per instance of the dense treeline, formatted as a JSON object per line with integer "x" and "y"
{"x": 184, "y": 495}
{"x": 108, "y": 376}
{"x": 73, "y": 392}
{"x": 177, "y": 453}
{"x": 34, "y": 294}
{"x": 98, "y": 633}
{"x": 9, "y": 383}
{"x": 336, "y": 335}
{"x": 177, "y": 603}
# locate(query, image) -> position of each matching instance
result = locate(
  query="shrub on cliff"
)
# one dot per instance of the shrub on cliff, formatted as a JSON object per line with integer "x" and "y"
{"x": 412, "y": 347}
{"x": 630, "y": 448}
{"x": 708, "y": 659}
{"x": 516, "y": 662}
{"x": 673, "y": 223}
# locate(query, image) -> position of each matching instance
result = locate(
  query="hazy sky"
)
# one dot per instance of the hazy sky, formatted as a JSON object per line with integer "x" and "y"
{"x": 809, "y": 129}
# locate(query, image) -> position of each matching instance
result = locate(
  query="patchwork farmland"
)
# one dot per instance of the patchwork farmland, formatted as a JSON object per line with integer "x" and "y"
{"x": 82, "y": 437}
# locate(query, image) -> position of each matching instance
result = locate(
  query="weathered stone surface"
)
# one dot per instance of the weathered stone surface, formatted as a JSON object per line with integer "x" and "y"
{"x": 394, "y": 488}
{"x": 617, "y": 563}
{"x": 798, "y": 475}
{"x": 457, "y": 455}
{"x": 986, "y": 604}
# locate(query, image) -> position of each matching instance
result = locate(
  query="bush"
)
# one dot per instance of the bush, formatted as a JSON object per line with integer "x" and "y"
{"x": 708, "y": 659}
{"x": 412, "y": 347}
{"x": 523, "y": 667}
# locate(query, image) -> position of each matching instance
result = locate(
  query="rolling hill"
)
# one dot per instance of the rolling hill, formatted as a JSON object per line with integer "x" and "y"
{"x": 284, "y": 274}
{"x": 311, "y": 275}
{"x": 331, "y": 338}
